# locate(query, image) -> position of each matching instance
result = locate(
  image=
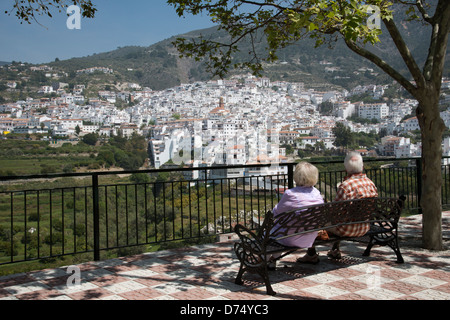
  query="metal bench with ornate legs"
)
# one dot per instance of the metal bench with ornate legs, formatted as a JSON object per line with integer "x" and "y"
{"x": 256, "y": 249}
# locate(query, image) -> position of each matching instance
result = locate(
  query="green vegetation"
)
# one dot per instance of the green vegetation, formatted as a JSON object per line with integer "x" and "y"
{"x": 57, "y": 219}
{"x": 25, "y": 157}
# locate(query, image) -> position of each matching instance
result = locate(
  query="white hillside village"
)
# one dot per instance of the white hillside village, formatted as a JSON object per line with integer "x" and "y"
{"x": 243, "y": 120}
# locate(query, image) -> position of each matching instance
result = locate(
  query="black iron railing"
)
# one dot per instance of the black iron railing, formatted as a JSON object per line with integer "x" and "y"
{"x": 94, "y": 212}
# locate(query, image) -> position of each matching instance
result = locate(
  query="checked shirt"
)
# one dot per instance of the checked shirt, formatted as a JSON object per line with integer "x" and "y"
{"x": 355, "y": 186}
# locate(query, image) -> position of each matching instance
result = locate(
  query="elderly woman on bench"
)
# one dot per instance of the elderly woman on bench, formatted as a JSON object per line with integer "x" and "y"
{"x": 303, "y": 194}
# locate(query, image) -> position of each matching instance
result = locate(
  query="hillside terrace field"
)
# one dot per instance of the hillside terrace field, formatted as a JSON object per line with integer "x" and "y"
{"x": 27, "y": 157}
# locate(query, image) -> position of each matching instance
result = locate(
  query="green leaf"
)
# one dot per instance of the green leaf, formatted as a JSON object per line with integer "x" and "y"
{"x": 312, "y": 27}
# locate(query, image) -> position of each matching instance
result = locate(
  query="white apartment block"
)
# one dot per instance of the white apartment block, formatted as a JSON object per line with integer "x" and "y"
{"x": 344, "y": 109}
{"x": 236, "y": 155}
{"x": 322, "y": 131}
{"x": 407, "y": 150}
{"x": 35, "y": 121}
{"x": 373, "y": 111}
{"x": 288, "y": 137}
{"x": 89, "y": 128}
{"x": 304, "y": 130}
{"x": 302, "y": 142}
{"x": 160, "y": 152}
{"x": 69, "y": 123}
{"x": 410, "y": 124}
{"x": 9, "y": 124}
{"x": 46, "y": 89}
{"x": 393, "y": 146}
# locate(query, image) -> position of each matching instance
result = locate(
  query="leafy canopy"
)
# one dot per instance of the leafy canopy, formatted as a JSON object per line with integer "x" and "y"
{"x": 28, "y": 10}
{"x": 282, "y": 23}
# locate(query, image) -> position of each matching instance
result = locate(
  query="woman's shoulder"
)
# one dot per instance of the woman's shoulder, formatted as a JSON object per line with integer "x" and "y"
{"x": 305, "y": 191}
{"x": 317, "y": 193}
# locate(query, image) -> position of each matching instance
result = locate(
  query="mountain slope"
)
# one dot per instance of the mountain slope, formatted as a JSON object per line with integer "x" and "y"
{"x": 158, "y": 66}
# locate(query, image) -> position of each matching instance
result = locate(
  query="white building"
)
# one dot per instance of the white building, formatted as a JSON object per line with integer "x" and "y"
{"x": 302, "y": 142}
{"x": 407, "y": 150}
{"x": 373, "y": 111}
{"x": 70, "y": 123}
{"x": 446, "y": 151}
{"x": 410, "y": 124}
{"x": 160, "y": 152}
{"x": 288, "y": 137}
{"x": 344, "y": 109}
{"x": 236, "y": 155}
{"x": 398, "y": 146}
{"x": 89, "y": 128}
{"x": 46, "y": 89}
{"x": 446, "y": 118}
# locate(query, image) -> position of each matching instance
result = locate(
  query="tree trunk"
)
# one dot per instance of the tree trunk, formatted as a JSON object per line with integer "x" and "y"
{"x": 432, "y": 128}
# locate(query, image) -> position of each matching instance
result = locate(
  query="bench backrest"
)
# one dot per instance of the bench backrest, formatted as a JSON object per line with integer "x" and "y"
{"x": 383, "y": 211}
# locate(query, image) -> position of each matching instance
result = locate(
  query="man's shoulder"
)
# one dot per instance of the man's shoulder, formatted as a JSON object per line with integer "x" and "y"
{"x": 356, "y": 179}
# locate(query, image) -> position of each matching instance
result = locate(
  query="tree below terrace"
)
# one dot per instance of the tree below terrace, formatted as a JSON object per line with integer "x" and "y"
{"x": 284, "y": 22}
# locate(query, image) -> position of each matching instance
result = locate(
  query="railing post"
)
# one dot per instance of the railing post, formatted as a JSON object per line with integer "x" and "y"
{"x": 95, "y": 199}
{"x": 419, "y": 182}
{"x": 290, "y": 175}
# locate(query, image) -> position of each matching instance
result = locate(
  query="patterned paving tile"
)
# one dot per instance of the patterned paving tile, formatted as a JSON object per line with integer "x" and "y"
{"x": 421, "y": 281}
{"x": 90, "y": 294}
{"x": 431, "y": 294}
{"x": 15, "y": 279}
{"x": 108, "y": 280}
{"x": 173, "y": 287}
{"x": 125, "y": 286}
{"x": 43, "y": 294}
{"x": 141, "y": 294}
{"x": 26, "y": 287}
{"x": 402, "y": 287}
{"x": 326, "y": 291}
{"x": 207, "y": 272}
{"x": 193, "y": 294}
{"x": 48, "y": 274}
{"x": 348, "y": 285}
{"x": 68, "y": 290}
{"x": 380, "y": 293}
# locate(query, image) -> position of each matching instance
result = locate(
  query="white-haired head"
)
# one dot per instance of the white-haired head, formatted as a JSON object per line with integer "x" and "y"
{"x": 353, "y": 162}
{"x": 306, "y": 174}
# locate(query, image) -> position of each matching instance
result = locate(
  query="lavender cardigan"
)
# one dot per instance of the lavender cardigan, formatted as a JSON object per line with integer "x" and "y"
{"x": 296, "y": 198}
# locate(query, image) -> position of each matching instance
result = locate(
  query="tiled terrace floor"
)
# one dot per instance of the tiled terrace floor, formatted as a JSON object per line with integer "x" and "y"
{"x": 207, "y": 272}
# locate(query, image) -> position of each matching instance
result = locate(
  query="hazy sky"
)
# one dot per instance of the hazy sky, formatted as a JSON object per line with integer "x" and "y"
{"x": 117, "y": 23}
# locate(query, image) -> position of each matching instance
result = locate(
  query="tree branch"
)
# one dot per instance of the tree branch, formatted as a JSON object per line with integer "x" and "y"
{"x": 420, "y": 6}
{"x": 383, "y": 65}
{"x": 441, "y": 40}
{"x": 438, "y": 42}
{"x": 27, "y": 10}
{"x": 423, "y": 12}
{"x": 404, "y": 51}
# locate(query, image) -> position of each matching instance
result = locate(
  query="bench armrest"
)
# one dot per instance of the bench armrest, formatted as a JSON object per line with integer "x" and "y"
{"x": 250, "y": 250}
